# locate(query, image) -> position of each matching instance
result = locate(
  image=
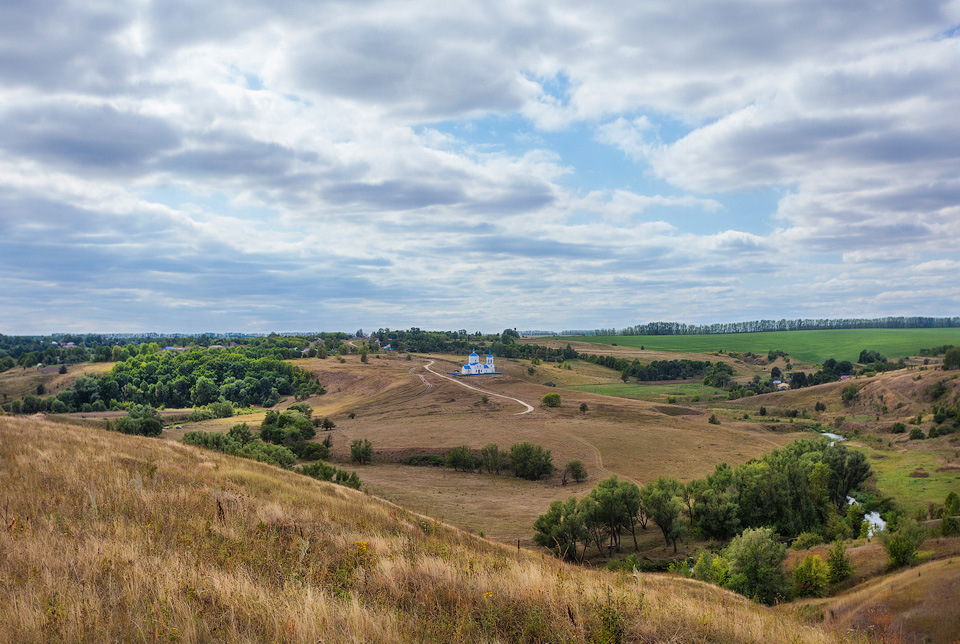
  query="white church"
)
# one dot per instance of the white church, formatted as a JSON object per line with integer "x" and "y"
{"x": 474, "y": 368}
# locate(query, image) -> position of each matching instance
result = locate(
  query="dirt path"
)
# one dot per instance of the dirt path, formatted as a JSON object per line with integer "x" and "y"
{"x": 422, "y": 379}
{"x": 483, "y": 391}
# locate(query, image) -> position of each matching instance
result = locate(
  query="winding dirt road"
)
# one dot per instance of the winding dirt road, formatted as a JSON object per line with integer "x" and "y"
{"x": 483, "y": 391}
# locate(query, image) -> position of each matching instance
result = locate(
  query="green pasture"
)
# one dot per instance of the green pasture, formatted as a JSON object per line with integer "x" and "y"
{"x": 803, "y": 346}
{"x": 639, "y": 391}
{"x": 893, "y": 471}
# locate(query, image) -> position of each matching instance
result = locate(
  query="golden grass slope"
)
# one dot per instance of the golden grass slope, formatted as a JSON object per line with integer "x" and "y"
{"x": 107, "y": 537}
{"x": 915, "y": 605}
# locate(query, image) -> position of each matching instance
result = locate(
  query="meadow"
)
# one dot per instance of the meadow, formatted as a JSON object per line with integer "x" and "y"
{"x": 803, "y": 346}
{"x": 147, "y": 540}
{"x": 936, "y": 473}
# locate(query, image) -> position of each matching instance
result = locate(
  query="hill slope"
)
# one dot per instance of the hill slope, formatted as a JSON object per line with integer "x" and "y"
{"x": 110, "y": 537}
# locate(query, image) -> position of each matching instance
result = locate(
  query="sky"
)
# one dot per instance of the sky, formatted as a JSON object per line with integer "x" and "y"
{"x": 285, "y": 165}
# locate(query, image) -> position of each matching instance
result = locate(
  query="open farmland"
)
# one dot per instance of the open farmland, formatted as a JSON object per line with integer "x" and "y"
{"x": 404, "y": 410}
{"x": 803, "y": 346}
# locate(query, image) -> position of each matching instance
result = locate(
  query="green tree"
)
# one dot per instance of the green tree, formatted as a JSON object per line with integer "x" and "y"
{"x": 810, "y": 577}
{"x": 204, "y": 392}
{"x": 663, "y": 502}
{"x": 849, "y": 394}
{"x": 575, "y": 470}
{"x": 951, "y": 359}
{"x": 902, "y": 545}
{"x": 530, "y": 461}
{"x": 951, "y": 505}
{"x": 838, "y": 563}
{"x": 551, "y": 400}
{"x": 361, "y": 451}
{"x": 492, "y": 459}
{"x": 711, "y": 568}
{"x": 561, "y": 529}
{"x": 461, "y": 458}
{"x": 584, "y": 408}
{"x": 755, "y": 559}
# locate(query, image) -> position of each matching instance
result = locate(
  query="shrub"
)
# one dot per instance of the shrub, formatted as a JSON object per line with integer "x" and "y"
{"x": 819, "y": 406}
{"x": 326, "y": 472}
{"x": 755, "y": 565}
{"x": 763, "y": 411}
{"x": 530, "y": 461}
{"x": 577, "y": 471}
{"x": 361, "y": 451}
{"x": 949, "y": 526}
{"x": 806, "y": 539}
{"x": 425, "y": 460}
{"x": 838, "y": 563}
{"x": 326, "y": 424}
{"x": 810, "y": 577}
{"x": 461, "y": 458}
{"x": 917, "y": 434}
{"x": 899, "y": 428}
{"x": 301, "y": 407}
{"x": 493, "y": 460}
{"x": 849, "y": 394}
{"x": 902, "y": 545}
{"x": 551, "y": 400}
{"x": 712, "y": 568}
{"x": 714, "y": 420}
{"x": 314, "y": 451}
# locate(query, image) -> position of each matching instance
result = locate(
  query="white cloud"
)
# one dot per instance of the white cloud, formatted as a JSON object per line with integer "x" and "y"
{"x": 209, "y": 157}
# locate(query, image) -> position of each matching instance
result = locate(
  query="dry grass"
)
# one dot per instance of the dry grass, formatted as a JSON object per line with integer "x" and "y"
{"x": 114, "y": 538}
{"x": 17, "y": 382}
{"x": 913, "y": 605}
{"x": 402, "y": 415}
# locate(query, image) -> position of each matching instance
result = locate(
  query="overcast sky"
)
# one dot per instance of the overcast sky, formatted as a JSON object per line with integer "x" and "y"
{"x": 298, "y": 165}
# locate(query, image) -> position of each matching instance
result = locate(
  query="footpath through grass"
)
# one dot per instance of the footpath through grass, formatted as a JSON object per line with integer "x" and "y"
{"x": 803, "y": 346}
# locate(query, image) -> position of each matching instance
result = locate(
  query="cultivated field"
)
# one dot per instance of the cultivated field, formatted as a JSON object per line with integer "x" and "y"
{"x": 803, "y": 346}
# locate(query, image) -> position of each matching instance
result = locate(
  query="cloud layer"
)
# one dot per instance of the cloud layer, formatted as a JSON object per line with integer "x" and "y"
{"x": 257, "y": 166}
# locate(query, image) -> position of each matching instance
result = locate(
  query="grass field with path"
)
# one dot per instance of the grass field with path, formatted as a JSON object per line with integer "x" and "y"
{"x": 803, "y": 346}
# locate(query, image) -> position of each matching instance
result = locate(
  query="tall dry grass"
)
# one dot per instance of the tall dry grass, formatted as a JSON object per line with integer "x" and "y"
{"x": 115, "y": 538}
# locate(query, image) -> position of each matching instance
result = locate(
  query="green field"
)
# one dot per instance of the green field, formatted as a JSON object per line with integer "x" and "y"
{"x": 803, "y": 346}
{"x": 656, "y": 392}
{"x": 893, "y": 471}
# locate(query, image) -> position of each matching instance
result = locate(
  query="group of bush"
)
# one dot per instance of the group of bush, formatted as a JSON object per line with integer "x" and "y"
{"x": 525, "y": 460}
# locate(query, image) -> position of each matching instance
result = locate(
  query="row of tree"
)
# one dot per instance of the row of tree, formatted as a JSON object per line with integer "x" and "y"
{"x": 755, "y": 326}
{"x": 656, "y": 370}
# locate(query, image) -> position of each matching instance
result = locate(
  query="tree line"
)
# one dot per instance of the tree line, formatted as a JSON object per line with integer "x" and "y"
{"x": 176, "y": 379}
{"x": 756, "y": 326}
{"x": 800, "y": 488}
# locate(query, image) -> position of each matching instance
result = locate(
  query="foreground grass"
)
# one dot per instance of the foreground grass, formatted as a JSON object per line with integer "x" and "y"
{"x": 803, "y": 346}
{"x": 114, "y": 538}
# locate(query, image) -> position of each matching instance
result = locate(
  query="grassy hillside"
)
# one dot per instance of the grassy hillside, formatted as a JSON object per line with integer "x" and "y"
{"x": 803, "y": 346}
{"x": 114, "y": 538}
{"x": 916, "y": 605}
